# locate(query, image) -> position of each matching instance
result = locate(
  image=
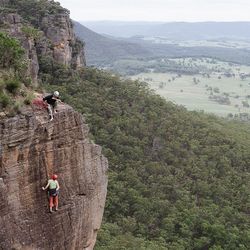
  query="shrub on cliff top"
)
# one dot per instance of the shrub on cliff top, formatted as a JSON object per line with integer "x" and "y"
{"x": 4, "y": 100}
{"x": 12, "y": 85}
{"x": 31, "y": 32}
{"x": 38, "y": 8}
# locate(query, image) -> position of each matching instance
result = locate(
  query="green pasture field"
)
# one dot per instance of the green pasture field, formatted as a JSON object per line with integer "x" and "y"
{"x": 213, "y": 64}
{"x": 214, "y": 43}
{"x": 193, "y": 91}
{"x": 236, "y": 44}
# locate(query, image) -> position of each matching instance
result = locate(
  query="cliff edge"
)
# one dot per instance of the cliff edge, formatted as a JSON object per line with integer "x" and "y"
{"x": 31, "y": 149}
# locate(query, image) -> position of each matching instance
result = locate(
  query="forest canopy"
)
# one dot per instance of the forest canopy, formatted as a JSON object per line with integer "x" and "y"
{"x": 177, "y": 179}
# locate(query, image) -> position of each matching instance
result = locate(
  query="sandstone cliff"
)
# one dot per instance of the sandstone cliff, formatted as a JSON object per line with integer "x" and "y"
{"x": 56, "y": 39}
{"x": 32, "y": 149}
{"x": 64, "y": 45}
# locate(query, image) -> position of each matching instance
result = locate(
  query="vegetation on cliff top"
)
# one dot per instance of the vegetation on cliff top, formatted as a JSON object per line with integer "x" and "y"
{"x": 13, "y": 92}
{"x": 34, "y": 10}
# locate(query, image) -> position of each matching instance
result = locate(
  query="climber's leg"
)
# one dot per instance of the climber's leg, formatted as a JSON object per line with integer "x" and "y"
{"x": 56, "y": 202}
{"x": 51, "y": 203}
{"x": 50, "y": 109}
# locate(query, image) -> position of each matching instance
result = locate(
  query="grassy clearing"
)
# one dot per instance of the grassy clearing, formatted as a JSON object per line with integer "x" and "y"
{"x": 236, "y": 44}
{"x": 212, "y": 93}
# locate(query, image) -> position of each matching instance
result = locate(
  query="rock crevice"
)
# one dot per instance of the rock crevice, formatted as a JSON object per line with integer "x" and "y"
{"x": 32, "y": 148}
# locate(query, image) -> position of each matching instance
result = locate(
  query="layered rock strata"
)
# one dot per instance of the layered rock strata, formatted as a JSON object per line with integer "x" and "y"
{"x": 64, "y": 45}
{"x": 31, "y": 149}
{"x": 56, "y": 39}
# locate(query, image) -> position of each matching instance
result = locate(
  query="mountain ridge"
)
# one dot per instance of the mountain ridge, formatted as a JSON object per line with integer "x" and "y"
{"x": 100, "y": 48}
{"x": 173, "y": 30}
{"x": 105, "y": 49}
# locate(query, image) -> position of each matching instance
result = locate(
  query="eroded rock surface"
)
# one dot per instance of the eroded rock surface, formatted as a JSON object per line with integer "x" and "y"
{"x": 65, "y": 48}
{"x": 51, "y": 39}
{"x": 31, "y": 149}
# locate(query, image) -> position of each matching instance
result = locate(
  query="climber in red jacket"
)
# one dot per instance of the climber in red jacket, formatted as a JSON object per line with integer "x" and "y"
{"x": 53, "y": 186}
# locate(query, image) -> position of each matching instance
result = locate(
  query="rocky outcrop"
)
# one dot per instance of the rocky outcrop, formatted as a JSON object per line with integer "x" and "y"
{"x": 65, "y": 48}
{"x": 56, "y": 39}
{"x": 31, "y": 149}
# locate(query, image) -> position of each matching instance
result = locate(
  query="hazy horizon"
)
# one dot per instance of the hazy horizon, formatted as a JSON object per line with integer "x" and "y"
{"x": 145, "y": 21}
{"x": 159, "y": 10}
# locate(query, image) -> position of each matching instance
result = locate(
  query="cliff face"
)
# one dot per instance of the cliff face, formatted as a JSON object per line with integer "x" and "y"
{"x": 32, "y": 149}
{"x": 64, "y": 45}
{"x": 56, "y": 38}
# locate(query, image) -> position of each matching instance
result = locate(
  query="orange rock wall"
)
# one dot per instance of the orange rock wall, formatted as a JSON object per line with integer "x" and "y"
{"x": 31, "y": 149}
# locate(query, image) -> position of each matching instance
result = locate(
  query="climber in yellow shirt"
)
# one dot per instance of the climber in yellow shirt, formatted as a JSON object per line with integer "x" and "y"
{"x": 53, "y": 186}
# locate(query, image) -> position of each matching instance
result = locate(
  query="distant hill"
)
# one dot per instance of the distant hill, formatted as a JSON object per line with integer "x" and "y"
{"x": 234, "y": 55}
{"x": 174, "y": 30}
{"x": 102, "y": 49}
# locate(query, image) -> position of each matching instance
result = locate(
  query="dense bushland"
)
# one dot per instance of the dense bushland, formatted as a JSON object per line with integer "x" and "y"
{"x": 177, "y": 179}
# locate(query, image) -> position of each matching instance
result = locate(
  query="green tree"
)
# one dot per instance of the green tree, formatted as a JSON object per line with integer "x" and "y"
{"x": 11, "y": 51}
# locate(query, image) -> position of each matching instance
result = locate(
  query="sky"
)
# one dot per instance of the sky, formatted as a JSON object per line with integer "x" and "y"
{"x": 158, "y": 10}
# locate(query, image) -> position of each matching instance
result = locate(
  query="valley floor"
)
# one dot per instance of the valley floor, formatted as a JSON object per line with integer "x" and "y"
{"x": 224, "y": 90}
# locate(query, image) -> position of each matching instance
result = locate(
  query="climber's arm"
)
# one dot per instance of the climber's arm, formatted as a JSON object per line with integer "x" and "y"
{"x": 44, "y": 188}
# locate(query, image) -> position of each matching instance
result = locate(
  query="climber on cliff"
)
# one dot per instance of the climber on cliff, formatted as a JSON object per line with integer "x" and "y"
{"x": 51, "y": 101}
{"x": 53, "y": 186}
